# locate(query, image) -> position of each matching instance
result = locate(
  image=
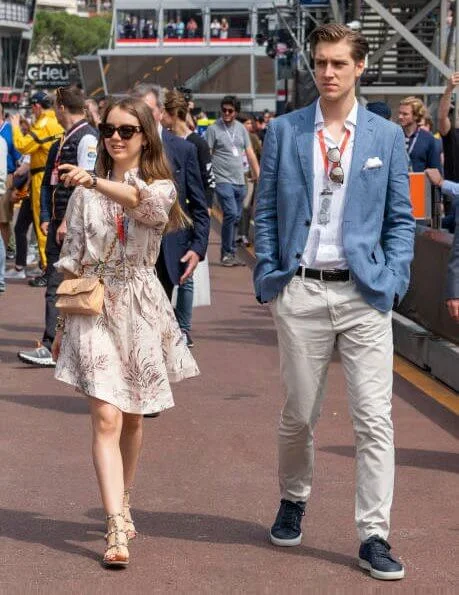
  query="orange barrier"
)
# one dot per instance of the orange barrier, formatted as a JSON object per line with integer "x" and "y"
{"x": 420, "y": 195}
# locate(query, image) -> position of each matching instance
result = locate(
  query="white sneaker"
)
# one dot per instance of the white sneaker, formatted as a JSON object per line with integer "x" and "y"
{"x": 36, "y": 272}
{"x": 41, "y": 357}
{"x": 32, "y": 258}
{"x": 15, "y": 274}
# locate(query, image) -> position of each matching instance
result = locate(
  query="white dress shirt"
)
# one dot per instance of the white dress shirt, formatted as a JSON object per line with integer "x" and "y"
{"x": 324, "y": 248}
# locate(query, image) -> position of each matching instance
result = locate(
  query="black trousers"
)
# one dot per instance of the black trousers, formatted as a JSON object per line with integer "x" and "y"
{"x": 54, "y": 278}
{"x": 163, "y": 275}
{"x": 23, "y": 222}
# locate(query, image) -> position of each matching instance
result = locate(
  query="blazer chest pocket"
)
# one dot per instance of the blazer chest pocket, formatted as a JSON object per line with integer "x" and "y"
{"x": 372, "y": 173}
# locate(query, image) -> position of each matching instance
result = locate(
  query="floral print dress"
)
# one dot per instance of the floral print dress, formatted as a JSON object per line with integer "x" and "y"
{"x": 128, "y": 355}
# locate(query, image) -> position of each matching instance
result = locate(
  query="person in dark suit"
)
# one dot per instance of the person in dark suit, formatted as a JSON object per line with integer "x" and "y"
{"x": 181, "y": 251}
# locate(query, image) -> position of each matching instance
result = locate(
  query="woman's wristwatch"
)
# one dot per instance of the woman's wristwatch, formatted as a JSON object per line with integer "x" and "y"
{"x": 93, "y": 179}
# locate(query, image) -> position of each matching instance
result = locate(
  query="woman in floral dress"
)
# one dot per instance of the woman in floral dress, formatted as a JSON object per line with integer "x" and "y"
{"x": 125, "y": 358}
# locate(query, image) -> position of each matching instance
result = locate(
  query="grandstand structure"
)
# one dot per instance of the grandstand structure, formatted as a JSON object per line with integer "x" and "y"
{"x": 215, "y": 47}
{"x": 178, "y": 43}
{"x": 412, "y": 45}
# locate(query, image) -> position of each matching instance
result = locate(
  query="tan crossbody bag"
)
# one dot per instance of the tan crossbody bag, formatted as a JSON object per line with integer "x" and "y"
{"x": 84, "y": 295}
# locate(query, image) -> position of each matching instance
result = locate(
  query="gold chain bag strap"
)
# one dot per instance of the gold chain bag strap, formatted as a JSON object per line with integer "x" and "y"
{"x": 84, "y": 295}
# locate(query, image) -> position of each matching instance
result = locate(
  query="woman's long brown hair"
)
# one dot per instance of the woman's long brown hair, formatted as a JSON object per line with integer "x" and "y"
{"x": 153, "y": 163}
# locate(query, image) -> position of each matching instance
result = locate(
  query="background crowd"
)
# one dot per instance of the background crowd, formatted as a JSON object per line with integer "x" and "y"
{"x": 228, "y": 154}
{"x": 179, "y": 26}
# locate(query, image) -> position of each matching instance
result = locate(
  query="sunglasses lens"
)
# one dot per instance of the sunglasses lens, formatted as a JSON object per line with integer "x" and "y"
{"x": 107, "y": 130}
{"x": 334, "y": 155}
{"x": 126, "y": 132}
{"x": 337, "y": 175}
{"x": 228, "y": 111}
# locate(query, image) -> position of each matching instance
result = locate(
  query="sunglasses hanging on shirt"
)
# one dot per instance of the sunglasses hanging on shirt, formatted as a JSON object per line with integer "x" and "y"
{"x": 333, "y": 156}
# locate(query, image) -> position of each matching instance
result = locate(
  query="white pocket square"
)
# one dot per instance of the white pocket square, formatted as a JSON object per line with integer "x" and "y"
{"x": 373, "y": 163}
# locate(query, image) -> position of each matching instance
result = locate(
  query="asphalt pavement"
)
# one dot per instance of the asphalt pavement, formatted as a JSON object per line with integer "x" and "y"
{"x": 206, "y": 491}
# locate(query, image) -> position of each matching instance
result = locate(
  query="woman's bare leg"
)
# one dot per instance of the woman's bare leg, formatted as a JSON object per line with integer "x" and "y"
{"x": 106, "y": 426}
{"x": 130, "y": 445}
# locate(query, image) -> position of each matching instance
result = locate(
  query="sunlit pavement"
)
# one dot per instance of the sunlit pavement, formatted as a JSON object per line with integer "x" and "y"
{"x": 207, "y": 489}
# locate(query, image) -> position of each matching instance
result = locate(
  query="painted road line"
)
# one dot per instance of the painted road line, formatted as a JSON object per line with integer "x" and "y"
{"x": 414, "y": 375}
{"x": 427, "y": 384}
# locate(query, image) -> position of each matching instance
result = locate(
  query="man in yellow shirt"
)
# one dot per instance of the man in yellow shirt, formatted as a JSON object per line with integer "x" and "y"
{"x": 44, "y": 131}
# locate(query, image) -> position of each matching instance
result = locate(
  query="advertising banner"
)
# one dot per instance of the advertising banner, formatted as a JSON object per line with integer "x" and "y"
{"x": 51, "y": 76}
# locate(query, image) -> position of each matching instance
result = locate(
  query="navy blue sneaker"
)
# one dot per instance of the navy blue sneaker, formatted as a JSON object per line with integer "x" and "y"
{"x": 286, "y": 530}
{"x": 374, "y": 556}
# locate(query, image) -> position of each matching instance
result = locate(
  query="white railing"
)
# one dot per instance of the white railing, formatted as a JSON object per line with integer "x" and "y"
{"x": 17, "y": 13}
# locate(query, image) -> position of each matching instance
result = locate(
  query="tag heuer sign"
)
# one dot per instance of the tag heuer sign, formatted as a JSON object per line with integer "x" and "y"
{"x": 49, "y": 76}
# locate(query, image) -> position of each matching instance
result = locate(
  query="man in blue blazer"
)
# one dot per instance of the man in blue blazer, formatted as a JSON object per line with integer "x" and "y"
{"x": 181, "y": 251}
{"x": 451, "y": 189}
{"x": 452, "y": 290}
{"x": 334, "y": 239}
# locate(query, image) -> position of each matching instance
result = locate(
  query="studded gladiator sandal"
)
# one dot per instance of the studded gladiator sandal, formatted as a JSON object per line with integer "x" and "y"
{"x": 129, "y": 526}
{"x": 116, "y": 552}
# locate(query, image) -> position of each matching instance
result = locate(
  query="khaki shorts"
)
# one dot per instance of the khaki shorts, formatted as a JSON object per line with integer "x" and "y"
{"x": 6, "y": 207}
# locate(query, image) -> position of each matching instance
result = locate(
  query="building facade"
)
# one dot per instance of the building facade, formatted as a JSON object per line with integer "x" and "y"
{"x": 16, "y": 23}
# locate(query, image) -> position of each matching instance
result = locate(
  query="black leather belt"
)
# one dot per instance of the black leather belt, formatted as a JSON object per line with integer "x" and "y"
{"x": 324, "y": 274}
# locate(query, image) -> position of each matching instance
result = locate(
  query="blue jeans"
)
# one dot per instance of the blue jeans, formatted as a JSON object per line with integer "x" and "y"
{"x": 184, "y": 307}
{"x": 231, "y": 197}
{"x": 2, "y": 262}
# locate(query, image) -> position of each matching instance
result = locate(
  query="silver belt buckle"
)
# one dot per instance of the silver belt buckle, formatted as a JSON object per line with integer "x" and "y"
{"x": 321, "y": 274}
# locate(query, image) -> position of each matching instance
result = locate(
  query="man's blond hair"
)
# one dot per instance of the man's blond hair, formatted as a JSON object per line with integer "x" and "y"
{"x": 419, "y": 109}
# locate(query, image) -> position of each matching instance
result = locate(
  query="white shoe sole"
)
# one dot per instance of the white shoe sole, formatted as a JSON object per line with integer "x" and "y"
{"x": 285, "y": 542}
{"x": 383, "y": 576}
{"x": 30, "y": 274}
{"x": 13, "y": 277}
{"x": 39, "y": 362}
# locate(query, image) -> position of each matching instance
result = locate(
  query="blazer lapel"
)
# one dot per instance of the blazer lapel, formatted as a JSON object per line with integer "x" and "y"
{"x": 305, "y": 146}
{"x": 362, "y": 144}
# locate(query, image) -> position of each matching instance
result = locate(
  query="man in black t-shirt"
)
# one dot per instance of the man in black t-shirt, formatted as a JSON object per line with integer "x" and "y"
{"x": 449, "y": 134}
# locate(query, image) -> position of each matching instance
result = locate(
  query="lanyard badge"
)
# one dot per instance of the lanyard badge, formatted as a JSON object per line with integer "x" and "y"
{"x": 324, "y": 206}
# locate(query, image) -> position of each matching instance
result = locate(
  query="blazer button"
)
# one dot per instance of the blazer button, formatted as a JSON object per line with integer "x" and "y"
{"x": 298, "y": 255}
{"x": 307, "y": 223}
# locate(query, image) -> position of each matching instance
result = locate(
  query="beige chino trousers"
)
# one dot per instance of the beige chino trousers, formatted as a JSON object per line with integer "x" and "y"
{"x": 311, "y": 317}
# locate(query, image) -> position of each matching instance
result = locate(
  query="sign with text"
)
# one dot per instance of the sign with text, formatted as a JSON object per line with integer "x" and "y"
{"x": 51, "y": 76}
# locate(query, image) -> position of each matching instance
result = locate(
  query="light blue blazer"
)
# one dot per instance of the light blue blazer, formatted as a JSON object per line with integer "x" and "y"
{"x": 452, "y": 287}
{"x": 378, "y": 225}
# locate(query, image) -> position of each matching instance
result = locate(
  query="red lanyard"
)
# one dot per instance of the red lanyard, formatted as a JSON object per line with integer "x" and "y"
{"x": 323, "y": 148}
{"x": 119, "y": 220}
